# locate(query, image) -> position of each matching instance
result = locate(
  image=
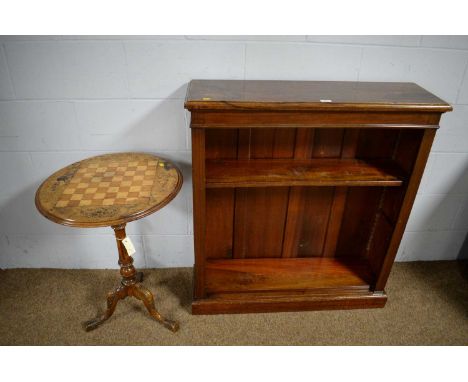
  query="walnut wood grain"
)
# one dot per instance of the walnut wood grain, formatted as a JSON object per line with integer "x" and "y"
{"x": 288, "y": 301}
{"x": 254, "y": 204}
{"x": 293, "y": 229}
{"x": 199, "y": 210}
{"x": 310, "y": 95}
{"x": 407, "y": 203}
{"x": 220, "y": 144}
{"x": 256, "y": 275}
{"x": 313, "y": 172}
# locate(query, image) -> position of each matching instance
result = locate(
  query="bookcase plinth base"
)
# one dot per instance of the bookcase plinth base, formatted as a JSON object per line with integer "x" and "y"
{"x": 289, "y": 302}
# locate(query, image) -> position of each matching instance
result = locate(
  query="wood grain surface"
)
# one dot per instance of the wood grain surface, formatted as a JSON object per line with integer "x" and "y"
{"x": 108, "y": 190}
{"x": 314, "y": 172}
{"x": 310, "y": 95}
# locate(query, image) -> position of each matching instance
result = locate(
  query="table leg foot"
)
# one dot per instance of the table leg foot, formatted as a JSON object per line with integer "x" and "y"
{"x": 130, "y": 286}
{"x": 112, "y": 299}
{"x": 144, "y": 295}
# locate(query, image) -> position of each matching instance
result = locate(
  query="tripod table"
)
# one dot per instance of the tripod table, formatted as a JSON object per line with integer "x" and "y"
{"x": 112, "y": 190}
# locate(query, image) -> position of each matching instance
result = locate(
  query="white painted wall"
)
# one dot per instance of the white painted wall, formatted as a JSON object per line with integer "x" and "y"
{"x": 67, "y": 98}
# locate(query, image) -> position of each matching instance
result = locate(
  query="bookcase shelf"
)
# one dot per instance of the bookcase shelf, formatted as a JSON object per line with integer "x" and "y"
{"x": 298, "y": 274}
{"x": 312, "y": 172}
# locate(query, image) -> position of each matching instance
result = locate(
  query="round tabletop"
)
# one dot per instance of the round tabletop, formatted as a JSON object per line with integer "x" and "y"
{"x": 108, "y": 190}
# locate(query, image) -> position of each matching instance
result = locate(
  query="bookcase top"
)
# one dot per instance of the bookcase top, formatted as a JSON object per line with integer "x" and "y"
{"x": 311, "y": 95}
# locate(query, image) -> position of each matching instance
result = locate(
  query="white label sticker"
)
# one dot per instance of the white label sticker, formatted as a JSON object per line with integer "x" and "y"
{"x": 128, "y": 246}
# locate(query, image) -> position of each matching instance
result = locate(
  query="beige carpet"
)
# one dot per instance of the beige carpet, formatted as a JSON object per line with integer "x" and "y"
{"x": 428, "y": 305}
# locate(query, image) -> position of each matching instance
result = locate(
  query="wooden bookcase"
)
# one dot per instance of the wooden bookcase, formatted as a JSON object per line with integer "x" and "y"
{"x": 302, "y": 190}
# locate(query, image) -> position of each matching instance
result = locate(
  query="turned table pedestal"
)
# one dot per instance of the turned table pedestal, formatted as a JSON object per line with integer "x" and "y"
{"x": 112, "y": 190}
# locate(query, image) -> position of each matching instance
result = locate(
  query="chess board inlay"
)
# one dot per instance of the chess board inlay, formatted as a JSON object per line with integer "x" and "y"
{"x": 107, "y": 188}
{"x": 113, "y": 183}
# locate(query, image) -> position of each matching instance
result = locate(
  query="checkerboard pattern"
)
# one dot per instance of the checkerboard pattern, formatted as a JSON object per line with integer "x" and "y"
{"x": 105, "y": 183}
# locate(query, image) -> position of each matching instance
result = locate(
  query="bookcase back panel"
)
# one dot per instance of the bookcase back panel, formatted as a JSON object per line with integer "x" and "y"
{"x": 259, "y": 219}
{"x": 220, "y": 224}
{"x": 220, "y": 144}
{"x": 304, "y": 143}
{"x": 327, "y": 143}
{"x": 362, "y": 205}
{"x": 314, "y": 219}
{"x": 266, "y": 143}
{"x": 377, "y": 143}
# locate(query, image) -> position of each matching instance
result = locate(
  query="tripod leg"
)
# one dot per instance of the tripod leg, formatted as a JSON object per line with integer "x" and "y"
{"x": 144, "y": 295}
{"x": 112, "y": 299}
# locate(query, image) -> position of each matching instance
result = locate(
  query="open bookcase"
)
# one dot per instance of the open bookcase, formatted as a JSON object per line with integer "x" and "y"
{"x": 301, "y": 204}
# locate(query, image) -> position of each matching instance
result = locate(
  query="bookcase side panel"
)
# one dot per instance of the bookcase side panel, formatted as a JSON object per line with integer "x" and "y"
{"x": 199, "y": 210}
{"x": 383, "y": 267}
{"x": 404, "y": 155}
